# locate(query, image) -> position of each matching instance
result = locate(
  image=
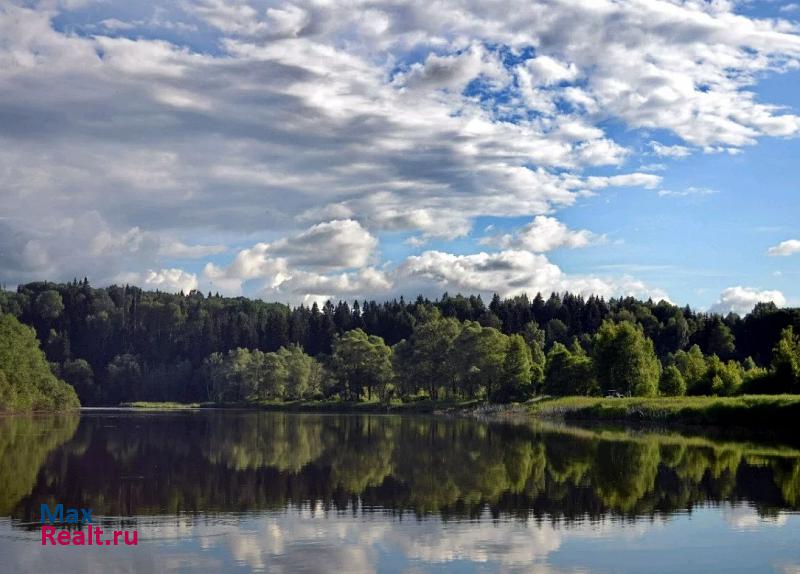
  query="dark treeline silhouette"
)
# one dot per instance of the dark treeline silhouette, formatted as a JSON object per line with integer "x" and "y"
{"x": 235, "y": 462}
{"x": 121, "y": 343}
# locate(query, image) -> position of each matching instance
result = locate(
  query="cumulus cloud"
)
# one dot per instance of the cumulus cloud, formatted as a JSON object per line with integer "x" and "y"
{"x": 67, "y": 247}
{"x": 331, "y": 127}
{"x": 785, "y": 248}
{"x": 171, "y": 280}
{"x": 741, "y": 300}
{"x": 252, "y": 263}
{"x": 543, "y": 234}
{"x": 453, "y": 72}
{"x": 298, "y": 265}
{"x": 509, "y": 273}
{"x": 548, "y": 71}
{"x": 673, "y": 151}
{"x": 334, "y": 244}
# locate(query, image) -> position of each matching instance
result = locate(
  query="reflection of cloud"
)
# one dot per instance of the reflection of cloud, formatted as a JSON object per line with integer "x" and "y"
{"x": 524, "y": 544}
{"x": 745, "y": 517}
{"x": 314, "y": 540}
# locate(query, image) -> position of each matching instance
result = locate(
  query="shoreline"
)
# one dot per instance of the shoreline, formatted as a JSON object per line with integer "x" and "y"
{"x": 746, "y": 411}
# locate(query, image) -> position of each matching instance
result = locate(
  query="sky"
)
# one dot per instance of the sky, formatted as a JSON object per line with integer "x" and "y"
{"x": 299, "y": 151}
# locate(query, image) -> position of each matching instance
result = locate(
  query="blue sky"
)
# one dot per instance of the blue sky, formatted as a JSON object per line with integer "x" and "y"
{"x": 300, "y": 151}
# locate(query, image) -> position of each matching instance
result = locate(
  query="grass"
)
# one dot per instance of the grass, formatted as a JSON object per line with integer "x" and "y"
{"x": 755, "y": 411}
{"x": 746, "y": 411}
{"x": 325, "y": 406}
{"x": 160, "y": 406}
{"x": 334, "y": 406}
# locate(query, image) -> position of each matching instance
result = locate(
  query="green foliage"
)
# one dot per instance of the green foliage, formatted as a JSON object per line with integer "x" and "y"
{"x": 720, "y": 340}
{"x": 672, "y": 383}
{"x": 786, "y": 360}
{"x": 270, "y": 372}
{"x": 153, "y": 346}
{"x": 535, "y": 338}
{"x": 722, "y": 379}
{"x": 242, "y": 375}
{"x": 755, "y": 411}
{"x": 556, "y": 332}
{"x": 569, "y": 372}
{"x": 625, "y": 360}
{"x": 476, "y": 361}
{"x": 26, "y": 381}
{"x": 79, "y": 374}
{"x": 124, "y": 374}
{"x": 692, "y": 365}
{"x": 48, "y": 304}
{"x": 433, "y": 355}
{"x": 363, "y": 364}
{"x": 516, "y": 383}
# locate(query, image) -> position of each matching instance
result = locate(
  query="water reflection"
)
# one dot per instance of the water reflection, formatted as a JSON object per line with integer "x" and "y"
{"x": 280, "y": 492}
{"x": 24, "y": 444}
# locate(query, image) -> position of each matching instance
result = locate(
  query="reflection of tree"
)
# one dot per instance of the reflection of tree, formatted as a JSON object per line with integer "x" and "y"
{"x": 624, "y": 471}
{"x": 363, "y": 458}
{"x": 223, "y": 461}
{"x": 448, "y": 462}
{"x": 258, "y": 440}
{"x": 25, "y": 442}
{"x": 786, "y": 473}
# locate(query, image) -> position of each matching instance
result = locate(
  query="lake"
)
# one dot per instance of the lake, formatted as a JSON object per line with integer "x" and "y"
{"x": 214, "y": 491}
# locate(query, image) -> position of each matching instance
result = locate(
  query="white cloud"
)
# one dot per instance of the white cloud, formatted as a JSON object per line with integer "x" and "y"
{"x": 741, "y": 300}
{"x": 453, "y": 72}
{"x": 171, "y": 280}
{"x": 543, "y": 234}
{"x": 785, "y": 248}
{"x": 689, "y": 191}
{"x": 114, "y": 151}
{"x": 548, "y": 71}
{"x": 646, "y": 180}
{"x": 116, "y": 24}
{"x": 509, "y": 273}
{"x": 253, "y": 263}
{"x": 335, "y": 244}
{"x": 653, "y": 167}
{"x": 175, "y": 248}
{"x": 673, "y": 151}
{"x": 293, "y": 264}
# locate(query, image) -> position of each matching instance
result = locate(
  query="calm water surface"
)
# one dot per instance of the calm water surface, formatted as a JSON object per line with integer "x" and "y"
{"x": 217, "y": 491}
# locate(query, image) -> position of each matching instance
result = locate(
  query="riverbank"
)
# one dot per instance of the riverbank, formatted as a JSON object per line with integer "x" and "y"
{"x": 322, "y": 406}
{"x": 752, "y": 411}
{"x": 747, "y": 411}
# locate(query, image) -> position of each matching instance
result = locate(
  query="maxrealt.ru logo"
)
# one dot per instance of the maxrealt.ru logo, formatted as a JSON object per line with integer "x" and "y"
{"x": 78, "y": 518}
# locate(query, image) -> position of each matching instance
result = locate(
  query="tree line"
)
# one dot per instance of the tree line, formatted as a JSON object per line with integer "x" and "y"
{"x": 121, "y": 343}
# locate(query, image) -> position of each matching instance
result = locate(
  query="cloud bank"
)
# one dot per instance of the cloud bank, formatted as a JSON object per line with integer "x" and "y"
{"x": 310, "y": 131}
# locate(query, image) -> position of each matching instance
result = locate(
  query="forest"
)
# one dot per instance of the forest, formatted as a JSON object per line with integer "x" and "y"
{"x": 121, "y": 344}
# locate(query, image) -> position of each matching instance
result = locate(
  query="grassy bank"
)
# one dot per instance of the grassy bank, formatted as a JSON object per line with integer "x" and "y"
{"x": 423, "y": 406}
{"x": 748, "y": 411}
{"x": 754, "y": 411}
{"x": 323, "y": 406}
{"x": 164, "y": 406}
